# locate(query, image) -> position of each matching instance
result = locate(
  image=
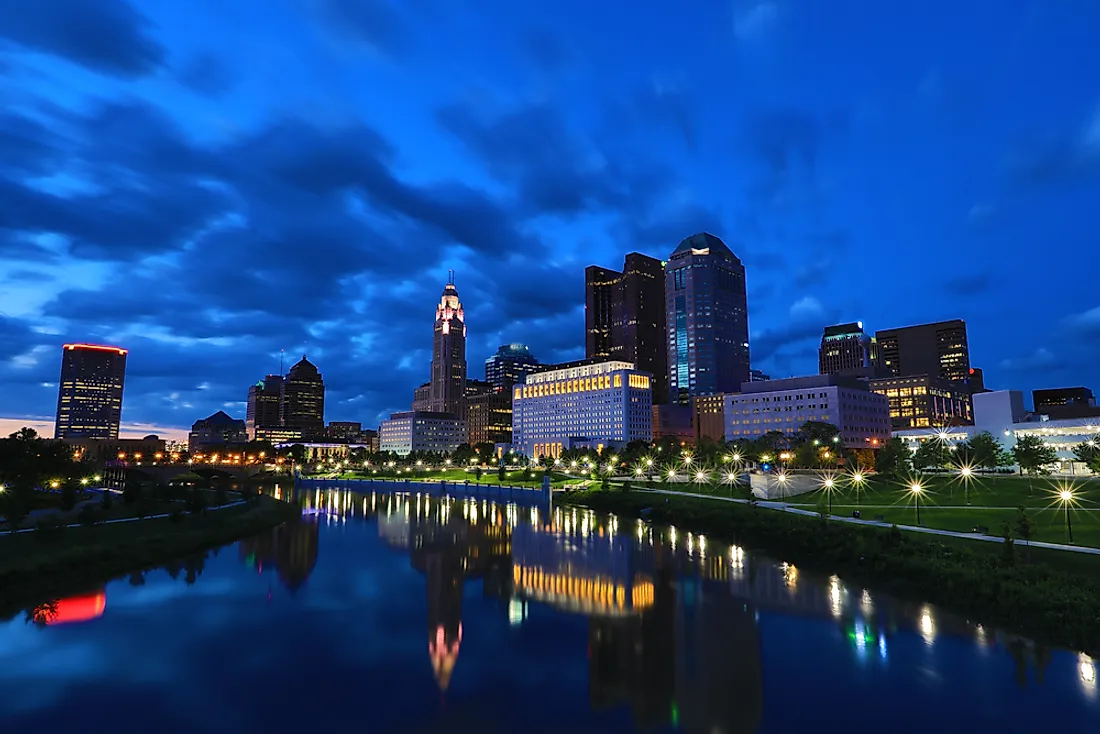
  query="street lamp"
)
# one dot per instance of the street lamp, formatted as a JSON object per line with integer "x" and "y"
{"x": 700, "y": 476}
{"x": 858, "y": 479}
{"x": 1065, "y": 497}
{"x": 829, "y": 484}
{"x": 966, "y": 473}
{"x": 916, "y": 488}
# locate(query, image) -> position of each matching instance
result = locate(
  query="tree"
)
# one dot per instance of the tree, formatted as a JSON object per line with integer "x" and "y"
{"x": 930, "y": 454}
{"x": 892, "y": 458}
{"x": 1033, "y": 456}
{"x": 985, "y": 451}
{"x": 477, "y": 473}
{"x": 819, "y": 431}
{"x": 1025, "y": 528}
{"x": 1089, "y": 453}
{"x": 500, "y": 470}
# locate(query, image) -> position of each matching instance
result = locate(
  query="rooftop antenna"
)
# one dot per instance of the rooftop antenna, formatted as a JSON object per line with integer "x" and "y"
{"x": 282, "y": 352}
{"x": 450, "y": 277}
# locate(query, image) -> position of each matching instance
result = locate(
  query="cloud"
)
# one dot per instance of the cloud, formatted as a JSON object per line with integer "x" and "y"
{"x": 1086, "y": 323}
{"x": 548, "y": 51}
{"x": 806, "y": 308}
{"x": 376, "y": 23}
{"x": 108, "y": 36}
{"x": 755, "y": 19}
{"x": 1041, "y": 359}
{"x": 1066, "y": 158}
{"x": 206, "y": 74}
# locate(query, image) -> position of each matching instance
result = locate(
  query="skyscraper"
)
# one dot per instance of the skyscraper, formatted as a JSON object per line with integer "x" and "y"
{"x": 707, "y": 319}
{"x": 508, "y": 366}
{"x": 262, "y": 414}
{"x": 302, "y": 408}
{"x": 940, "y": 349}
{"x": 846, "y": 350}
{"x": 89, "y": 393}
{"x": 625, "y": 316}
{"x": 448, "y": 378}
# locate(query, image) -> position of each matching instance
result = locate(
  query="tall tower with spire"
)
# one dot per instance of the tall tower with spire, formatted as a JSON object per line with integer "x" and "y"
{"x": 448, "y": 381}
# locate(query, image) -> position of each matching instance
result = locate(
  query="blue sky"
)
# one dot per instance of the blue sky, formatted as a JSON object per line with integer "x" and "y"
{"x": 207, "y": 183}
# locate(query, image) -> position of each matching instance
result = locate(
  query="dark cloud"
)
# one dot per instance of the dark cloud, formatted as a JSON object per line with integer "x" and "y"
{"x": 669, "y": 106}
{"x": 107, "y": 36}
{"x": 207, "y": 74}
{"x": 377, "y": 23}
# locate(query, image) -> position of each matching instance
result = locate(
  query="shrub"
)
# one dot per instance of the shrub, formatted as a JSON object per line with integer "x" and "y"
{"x": 68, "y": 497}
{"x": 107, "y": 501}
{"x": 196, "y": 501}
{"x": 221, "y": 496}
{"x": 49, "y": 527}
{"x": 89, "y": 515}
{"x": 176, "y": 515}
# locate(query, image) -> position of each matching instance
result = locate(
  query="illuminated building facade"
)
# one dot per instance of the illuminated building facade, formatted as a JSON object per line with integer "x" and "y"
{"x": 262, "y": 415}
{"x": 846, "y": 350}
{"x": 758, "y": 376}
{"x": 625, "y": 316}
{"x": 939, "y": 350}
{"x": 89, "y": 393}
{"x": 216, "y": 433}
{"x": 489, "y": 418}
{"x": 925, "y": 401}
{"x": 101, "y": 450}
{"x": 414, "y": 430}
{"x": 596, "y": 401}
{"x": 709, "y": 417}
{"x": 447, "y": 391}
{"x": 302, "y": 408}
{"x": 673, "y": 421}
{"x": 1065, "y": 402}
{"x": 706, "y": 319}
{"x": 509, "y": 366}
{"x": 862, "y": 416}
{"x": 345, "y": 432}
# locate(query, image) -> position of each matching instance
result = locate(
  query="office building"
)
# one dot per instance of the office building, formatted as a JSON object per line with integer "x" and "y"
{"x": 925, "y": 401}
{"x": 607, "y": 403}
{"x": 862, "y": 416}
{"x": 673, "y": 421}
{"x": 350, "y": 432}
{"x": 706, "y": 319}
{"x": 422, "y": 397}
{"x": 489, "y": 417}
{"x": 412, "y": 430}
{"x": 625, "y": 316}
{"x": 447, "y": 384}
{"x": 977, "y": 381}
{"x": 846, "y": 350}
{"x": 99, "y": 451}
{"x": 1065, "y": 402}
{"x": 262, "y": 414}
{"x": 940, "y": 350}
{"x": 709, "y": 417}
{"x": 758, "y": 376}
{"x": 302, "y": 408}
{"x": 89, "y": 393}
{"x": 219, "y": 432}
{"x": 508, "y": 366}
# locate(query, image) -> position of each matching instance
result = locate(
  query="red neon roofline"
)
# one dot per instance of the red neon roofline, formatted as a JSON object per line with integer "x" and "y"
{"x": 100, "y": 347}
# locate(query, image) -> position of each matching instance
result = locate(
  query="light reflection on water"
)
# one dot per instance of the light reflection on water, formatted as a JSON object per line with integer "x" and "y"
{"x": 466, "y": 615}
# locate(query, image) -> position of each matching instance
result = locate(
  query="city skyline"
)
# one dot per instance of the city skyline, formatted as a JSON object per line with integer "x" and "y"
{"x": 159, "y": 195}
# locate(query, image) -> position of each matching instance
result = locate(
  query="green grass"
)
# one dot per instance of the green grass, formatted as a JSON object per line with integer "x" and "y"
{"x": 514, "y": 478}
{"x": 989, "y": 491}
{"x": 36, "y": 566}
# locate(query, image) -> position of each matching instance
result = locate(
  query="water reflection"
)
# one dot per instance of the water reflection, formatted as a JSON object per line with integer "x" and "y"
{"x": 505, "y": 608}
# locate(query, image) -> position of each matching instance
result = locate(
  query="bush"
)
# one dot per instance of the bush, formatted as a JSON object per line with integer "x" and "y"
{"x": 221, "y": 495}
{"x": 49, "y": 527}
{"x": 89, "y": 515}
{"x": 132, "y": 493}
{"x": 196, "y": 501}
{"x": 68, "y": 497}
{"x": 175, "y": 516}
{"x": 107, "y": 501}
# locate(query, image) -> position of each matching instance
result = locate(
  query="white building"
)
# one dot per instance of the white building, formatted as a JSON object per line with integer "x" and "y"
{"x": 1002, "y": 414}
{"x": 607, "y": 403}
{"x": 415, "y": 430}
{"x": 862, "y": 416}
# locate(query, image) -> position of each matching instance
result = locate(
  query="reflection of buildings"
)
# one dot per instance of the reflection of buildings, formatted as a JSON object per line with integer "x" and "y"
{"x": 291, "y": 549}
{"x": 71, "y": 609}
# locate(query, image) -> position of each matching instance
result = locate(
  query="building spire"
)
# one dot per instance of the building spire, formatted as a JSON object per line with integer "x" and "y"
{"x": 450, "y": 277}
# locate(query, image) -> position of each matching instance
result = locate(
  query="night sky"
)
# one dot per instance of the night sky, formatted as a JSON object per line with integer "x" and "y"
{"x": 207, "y": 182}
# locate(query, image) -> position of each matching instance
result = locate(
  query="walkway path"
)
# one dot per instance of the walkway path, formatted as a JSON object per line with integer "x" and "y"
{"x": 785, "y": 507}
{"x": 135, "y": 519}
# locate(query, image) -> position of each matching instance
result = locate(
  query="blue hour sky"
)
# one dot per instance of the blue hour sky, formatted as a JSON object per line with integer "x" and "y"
{"x": 208, "y": 182}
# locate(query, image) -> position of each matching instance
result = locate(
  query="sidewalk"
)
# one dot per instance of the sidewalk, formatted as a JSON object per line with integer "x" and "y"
{"x": 786, "y": 507}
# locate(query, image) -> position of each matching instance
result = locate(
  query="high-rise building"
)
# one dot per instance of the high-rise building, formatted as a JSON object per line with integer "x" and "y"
{"x": 448, "y": 377}
{"x": 846, "y": 350}
{"x": 709, "y": 417}
{"x": 219, "y": 432}
{"x": 707, "y": 320}
{"x": 410, "y": 430}
{"x": 350, "y": 432}
{"x": 625, "y": 316}
{"x": 89, "y": 393}
{"x": 422, "y": 397}
{"x": 489, "y": 418}
{"x": 508, "y": 366}
{"x": 1065, "y": 402}
{"x": 940, "y": 349}
{"x": 262, "y": 415}
{"x": 758, "y": 376}
{"x": 302, "y": 408}
{"x": 603, "y": 404}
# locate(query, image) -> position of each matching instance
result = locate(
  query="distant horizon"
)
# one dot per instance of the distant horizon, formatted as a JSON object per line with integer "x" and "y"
{"x": 45, "y": 428}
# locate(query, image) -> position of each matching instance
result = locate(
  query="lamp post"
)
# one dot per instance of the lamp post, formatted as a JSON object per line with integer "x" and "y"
{"x": 966, "y": 473}
{"x": 829, "y": 484}
{"x": 1066, "y": 496}
{"x": 857, "y": 482}
{"x": 917, "y": 490}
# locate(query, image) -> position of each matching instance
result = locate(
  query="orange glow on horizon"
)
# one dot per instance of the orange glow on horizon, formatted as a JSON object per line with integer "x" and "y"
{"x": 96, "y": 347}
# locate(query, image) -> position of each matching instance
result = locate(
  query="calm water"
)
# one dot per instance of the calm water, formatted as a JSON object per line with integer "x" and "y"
{"x": 403, "y": 614}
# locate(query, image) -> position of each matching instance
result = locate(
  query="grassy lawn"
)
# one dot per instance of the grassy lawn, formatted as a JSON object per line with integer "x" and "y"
{"x": 514, "y": 478}
{"x": 984, "y": 491}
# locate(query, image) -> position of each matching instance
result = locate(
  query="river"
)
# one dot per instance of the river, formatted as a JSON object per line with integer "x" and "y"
{"x": 407, "y": 614}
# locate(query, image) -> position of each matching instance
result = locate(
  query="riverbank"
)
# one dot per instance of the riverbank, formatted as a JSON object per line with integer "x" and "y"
{"x": 37, "y": 566}
{"x": 1038, "y": 599}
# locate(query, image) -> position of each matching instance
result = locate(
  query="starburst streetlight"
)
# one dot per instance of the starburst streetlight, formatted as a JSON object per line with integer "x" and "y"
{"x": 782, "y": 479}
{"x": 966, "y": 475}
{"x": 829, "y": 484}
{"x": 700, "y": 476}
{"x": 916, "y": 489}
{"x": 1066, "y": 497}
{"x": 857, "y": 480}
{"x": 639, "y": 471}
